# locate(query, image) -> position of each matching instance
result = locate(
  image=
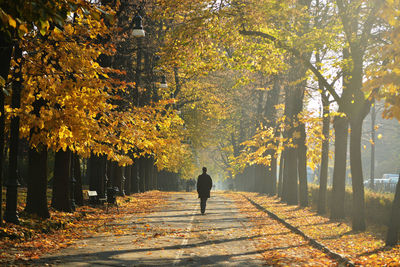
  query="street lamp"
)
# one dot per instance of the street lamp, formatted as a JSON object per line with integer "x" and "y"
{"x": 138, "y": 28}
{"x": 163, "y": 83}
{"x": 136, "y": 32}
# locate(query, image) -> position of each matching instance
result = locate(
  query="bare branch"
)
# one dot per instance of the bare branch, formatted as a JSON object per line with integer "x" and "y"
{"x": 299, "y": 56}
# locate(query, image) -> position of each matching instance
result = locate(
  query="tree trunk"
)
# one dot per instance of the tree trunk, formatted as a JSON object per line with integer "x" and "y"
{"x": 293, "y": 106}
{"x": 285, "y": 176}
{"x": 358, "y": 219}
{"x": 156, "y": 186}
{"x": 394, "y": 221}
{"x": 61, "y": 182}
{"x": 134, "y": 178}
{"x": 147, "y": 173}
{"x": 341, "y": 126}
{"x": 108, "y": 170}
{"x": 72, "y": 181}
{"x": 36, "y": 199}
{"x": 11, "y": 214}
{"x": 270, "y": 114}
{"x": 36, "y": 202}
{"x": 145, "y": 164}
{"x": 356, "y": 110}
{"x": 271, "y": 177}
{"x": 142, "y": 173}
{"x": 128, "y": 179}
{"x": 93, "y": 172}
{"x": 339, "y": 169}
{"x": 2, "y": 126}
{"x": 118, "y": 178}
{"x": 78, "y": 181}
{"x": 273, "y": 171}
{"x": 281, "y": 168}
{"x": 260, "y": 176}
{"x": 150, "y": 166}
{"x": 5, "y": 56}
{"x": 292, "y": 181}
{"x": 251, "y": 178}
{"x": 90, "y": 171}
{"x": 112, "y": 174}
{"x": 302, "y": 167}
{"x": 323, "y": 178}
{"x": 99, "y": 176}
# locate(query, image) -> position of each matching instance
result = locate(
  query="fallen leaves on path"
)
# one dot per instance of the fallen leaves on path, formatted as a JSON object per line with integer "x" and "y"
{"x": 362, "y": 248}
{"x": 34, "y": 236}
{"x": 281, "y": 247}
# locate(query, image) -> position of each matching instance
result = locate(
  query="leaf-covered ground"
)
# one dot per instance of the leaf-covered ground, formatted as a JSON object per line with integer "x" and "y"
{"x": 282, "y": 247}
{"x": 278, "y": 245}
{"x": 34, "y": 236}
{"x": 176, "y": 235}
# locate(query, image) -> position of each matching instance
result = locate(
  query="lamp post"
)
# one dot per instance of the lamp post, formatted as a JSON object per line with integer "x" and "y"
{"x": 373, "y": 117}
{"x": 138, "y": 32}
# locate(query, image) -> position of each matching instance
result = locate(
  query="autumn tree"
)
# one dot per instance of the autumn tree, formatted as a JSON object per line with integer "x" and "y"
{"x": 384, "y": 75}
{"x": 351, "y": 16}
{"x": 18, "y": 18}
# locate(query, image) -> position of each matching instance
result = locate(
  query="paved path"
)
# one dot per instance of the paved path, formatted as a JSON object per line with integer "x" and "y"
{"x": 177, "y": 236}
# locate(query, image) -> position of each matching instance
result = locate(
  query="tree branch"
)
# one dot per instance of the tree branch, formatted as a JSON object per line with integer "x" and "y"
{"x": 299, "y": 56}
{"x": 369, "y": 23}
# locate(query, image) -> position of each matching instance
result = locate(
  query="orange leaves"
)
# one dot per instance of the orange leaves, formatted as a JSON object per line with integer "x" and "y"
{"x": 280, "y": 246}
{"x": 35, "y": 237}
{"x": 361, "y": 248}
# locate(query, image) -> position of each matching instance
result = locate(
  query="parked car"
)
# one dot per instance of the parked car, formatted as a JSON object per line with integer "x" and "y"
{"x": 393, "y": 178}
{"x": 367, "y": 183}
{"x": 387, "y": 183}
{"x": 381, "y": 185}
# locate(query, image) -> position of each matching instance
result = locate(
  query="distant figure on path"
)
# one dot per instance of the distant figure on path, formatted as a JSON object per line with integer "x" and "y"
{"x": 204, "y": 185}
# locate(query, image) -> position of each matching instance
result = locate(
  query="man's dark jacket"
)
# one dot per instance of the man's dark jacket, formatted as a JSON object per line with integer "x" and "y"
{"x": 204, "y": 185}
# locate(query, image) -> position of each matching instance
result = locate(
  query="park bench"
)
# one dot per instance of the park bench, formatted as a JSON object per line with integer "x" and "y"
{"x": 94, "y": 198}
{"x": 92, "y": 195}
{"x": 111, "y": 199}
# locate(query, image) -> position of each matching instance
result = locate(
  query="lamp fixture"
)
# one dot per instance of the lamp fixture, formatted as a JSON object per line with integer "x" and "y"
{"x": 138, "y": 28}
{"x": 163, "y": 83}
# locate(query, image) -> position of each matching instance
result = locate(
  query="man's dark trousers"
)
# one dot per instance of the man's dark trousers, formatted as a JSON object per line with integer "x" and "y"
{"x": 203, "y": 202}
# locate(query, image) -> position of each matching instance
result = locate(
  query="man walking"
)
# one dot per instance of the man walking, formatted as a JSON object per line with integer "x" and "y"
{"x": 204, "y": 185}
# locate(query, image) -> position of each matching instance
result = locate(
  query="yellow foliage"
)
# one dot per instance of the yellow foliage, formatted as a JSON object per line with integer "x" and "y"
{"x": 69, "y": 100}
{"x": 386, "y": 76}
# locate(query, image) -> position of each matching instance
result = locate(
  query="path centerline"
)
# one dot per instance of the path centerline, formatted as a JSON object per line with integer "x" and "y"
{"x": 186, "y": 239}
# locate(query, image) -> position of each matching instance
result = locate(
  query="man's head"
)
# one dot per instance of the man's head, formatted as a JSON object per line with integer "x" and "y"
{"x": 204, "y": 170}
